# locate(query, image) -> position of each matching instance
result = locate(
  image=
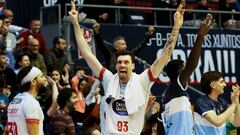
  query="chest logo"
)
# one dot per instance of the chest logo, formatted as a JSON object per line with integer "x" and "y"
{"x": 119, "y": 107}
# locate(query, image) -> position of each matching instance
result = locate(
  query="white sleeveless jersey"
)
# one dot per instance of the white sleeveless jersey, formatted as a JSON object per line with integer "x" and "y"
{"x": 24, "y": 107}
{"x": 118, "y": 121}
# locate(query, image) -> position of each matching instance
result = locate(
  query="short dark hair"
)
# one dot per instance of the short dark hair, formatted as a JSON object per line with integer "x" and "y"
{"x": 78, "y": 68}
{"x": 22, "y": 73}
{"x": 55, "y": 68}
{"x": 56, "y": 40}
{"x": 34, "y": 19}
{"x": 63, "y": 97}
{"x": 19, "y": 59}
{"x": 126, "y": 52}
{"x": 118, "y": 38}
{"x": 173, "y": 67}
{"x": 207, "y": 78}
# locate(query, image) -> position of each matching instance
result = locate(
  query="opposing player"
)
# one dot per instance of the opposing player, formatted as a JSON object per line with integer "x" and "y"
{"x": 25, "y": 116}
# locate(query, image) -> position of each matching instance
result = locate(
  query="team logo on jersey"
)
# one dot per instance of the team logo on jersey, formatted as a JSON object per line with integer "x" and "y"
{"x": 16, "y": 101}
{"x": 119, "y": 107}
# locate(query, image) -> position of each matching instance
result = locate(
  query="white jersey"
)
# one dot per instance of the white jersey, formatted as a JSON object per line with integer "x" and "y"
{"x": 118, "y": 121}
{"x": 24, "y": 107}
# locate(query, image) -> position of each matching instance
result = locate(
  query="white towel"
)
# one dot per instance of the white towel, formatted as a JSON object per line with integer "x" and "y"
{"x": 134, "y": 97}
{"x": 91, "y": 96}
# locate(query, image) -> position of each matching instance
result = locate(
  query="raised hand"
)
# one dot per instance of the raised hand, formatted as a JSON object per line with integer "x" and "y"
{"x": 96, "y": 27}
{"x": 65, "y": 77}
{"x": 151, "y": 100}
{"x": 206, "y": 25}
{"x": 50, "y": 81}
{"x": 178, "y": 17}
{"x": 236, "y": 92}
{"x": 151, "y": 30}
{"x": 73, "y": 13}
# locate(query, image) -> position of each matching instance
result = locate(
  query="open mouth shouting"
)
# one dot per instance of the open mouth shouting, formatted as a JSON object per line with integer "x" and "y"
{"x": 122, "y": 73}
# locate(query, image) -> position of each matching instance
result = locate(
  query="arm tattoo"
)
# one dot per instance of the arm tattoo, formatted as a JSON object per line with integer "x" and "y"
{"x": 171, "y": 42}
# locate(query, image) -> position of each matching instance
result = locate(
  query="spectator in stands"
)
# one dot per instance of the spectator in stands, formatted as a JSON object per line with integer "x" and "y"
{"x": 175, "y": 102}
{"x": 36, "y": 58}
{"x": 2, "y": 37}
{"x": 5, "y": 91}
{"x": 7, "y": 73}
{"x": 92, "y": 113}
{"x": 12, "y": 28}
{"x": 202, "y": 5}
{"x": 83, "y": 17}
{"x": 79, "y": 74}
{"x": 61, "y": 79}
{"x": 5, "y": 87}
{"x": 101, "y": 15}
{"x": 96, "y": 98}
{"x": 9, "y": 42}
{"x": 151, "y": 124}
{"x": 228, "y": 20}
{"x": 34, "y": 31}
{"x": 211, "y": 112}
{"x": 83, "y": 87}
{"x": 199, "y": 17}
{"x": 57, "y": 56}
{"x": 77, "y": 84}
{"x": 22, "y": 61}
{"x": 48, "y": 100}
{"x": 62, "y": 122}
{"x": 119, "y": 44}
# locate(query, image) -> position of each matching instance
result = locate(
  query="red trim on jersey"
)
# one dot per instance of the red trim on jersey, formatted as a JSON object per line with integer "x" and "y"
{"x": 32, "y": 121}
{"x": 151, "y": 75}
{"x": 158, "y": 81}
{"x": 100, "y": 77}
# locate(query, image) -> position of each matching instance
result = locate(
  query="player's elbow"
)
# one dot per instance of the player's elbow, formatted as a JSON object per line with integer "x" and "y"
{"x": 218, "y": 123}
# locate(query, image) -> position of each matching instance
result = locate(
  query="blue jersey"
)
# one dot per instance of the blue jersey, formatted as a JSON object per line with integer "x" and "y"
{"x": 203, "y": 106}
{"x": 177, "y": 113}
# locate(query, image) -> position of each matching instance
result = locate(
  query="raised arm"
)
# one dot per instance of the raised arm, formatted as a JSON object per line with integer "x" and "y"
{"x": 105, "y": 49}
{"x": 54, "y": 106}
{"x": 160, "y": 62}
{"x": 193, "y": 57}
{"x": 99, "y": 41}
{"x": 150, "y": 32}
{"x": 83, "y": 47}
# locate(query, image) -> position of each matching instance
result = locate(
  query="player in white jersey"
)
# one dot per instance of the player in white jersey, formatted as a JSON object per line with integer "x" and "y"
{"x": 25, "y": 116}
{"x": 126, "y": 92}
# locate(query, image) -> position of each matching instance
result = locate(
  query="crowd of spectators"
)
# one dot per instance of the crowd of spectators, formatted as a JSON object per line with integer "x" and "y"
{"x": 28, "y": 48}
{"x": 20, "y": 48}
{"x": 148, "y": 17}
